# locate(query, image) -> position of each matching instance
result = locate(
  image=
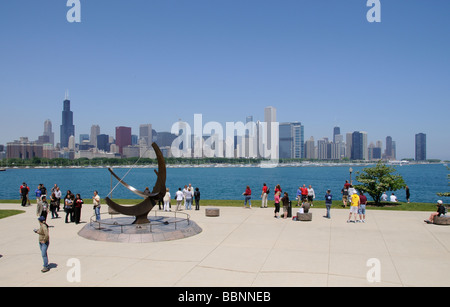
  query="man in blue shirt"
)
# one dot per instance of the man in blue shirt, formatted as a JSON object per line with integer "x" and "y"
{"x": 328, "y": 202}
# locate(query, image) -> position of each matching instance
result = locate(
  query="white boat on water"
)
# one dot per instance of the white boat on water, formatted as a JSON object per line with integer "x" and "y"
{"x": 397, "y": 162}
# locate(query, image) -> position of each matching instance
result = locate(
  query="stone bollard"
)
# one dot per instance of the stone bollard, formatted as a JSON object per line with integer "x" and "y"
{"x": 212, "y": 211}
{"x": 304, "y": 216}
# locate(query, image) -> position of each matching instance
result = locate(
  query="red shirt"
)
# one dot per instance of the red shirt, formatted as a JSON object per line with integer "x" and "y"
{"x": 248, "y": 192}
{"x": 362, "y": 199}
{"x": 304, "y": 191}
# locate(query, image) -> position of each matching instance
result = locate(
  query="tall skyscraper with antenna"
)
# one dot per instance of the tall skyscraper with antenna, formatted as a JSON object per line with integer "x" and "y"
{"x": 67, "y": 127}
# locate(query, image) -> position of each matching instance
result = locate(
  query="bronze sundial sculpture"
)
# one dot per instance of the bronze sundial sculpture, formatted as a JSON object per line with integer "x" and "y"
{"x": 141, "y": 210}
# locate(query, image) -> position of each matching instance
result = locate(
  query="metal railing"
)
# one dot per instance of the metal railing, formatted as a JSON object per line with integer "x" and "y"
{"x": 156, "y": 213}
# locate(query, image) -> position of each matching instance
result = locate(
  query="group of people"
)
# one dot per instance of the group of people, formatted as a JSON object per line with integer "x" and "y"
{"x": 187, "y": 195}
{"x": 304, "y": 195}
{"x": 72, "y": 203}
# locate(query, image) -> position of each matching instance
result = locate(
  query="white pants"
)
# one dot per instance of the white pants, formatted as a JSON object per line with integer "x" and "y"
{"x": 167, "y": 206}
{"x": 264, "y": 201}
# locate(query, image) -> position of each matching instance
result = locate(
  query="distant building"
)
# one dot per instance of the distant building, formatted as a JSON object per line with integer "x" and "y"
{"x": 421, "y": 147}
{"x": 95, "y": 131}
{"x": 24, "y": 149}
{"x": 146, "y": 133}
{"x": 103, "y": 142}
{"x": 359, "y": 149}
{"x": 67, "y": 127}
{"x": 310, "y": 149}
{"x": 123, "y": 137}
{"x": 291, "y": 140}
{"x": 48, "y": 132}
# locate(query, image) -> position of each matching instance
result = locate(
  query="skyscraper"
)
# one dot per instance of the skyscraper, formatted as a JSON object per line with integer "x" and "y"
{"x": 336, "y": 131}
{"x": 67, "y": 127}
{"x": 270, "y": 116}
{"x": 421, "y": 147}
{"x": 95, "y": 131}
{"x": 145, "y": 133}
{"x": 123, "y": 137}
{"x": 48, "y": 131}
{"x": 291, "y": 144}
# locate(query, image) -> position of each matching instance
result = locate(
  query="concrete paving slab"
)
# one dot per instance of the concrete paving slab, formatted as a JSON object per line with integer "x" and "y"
{"x": 241, "y": 247}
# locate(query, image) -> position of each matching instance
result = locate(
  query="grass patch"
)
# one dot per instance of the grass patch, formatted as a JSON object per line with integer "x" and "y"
{"x": 337, "y": 204}
{"x": 6, "y": 213}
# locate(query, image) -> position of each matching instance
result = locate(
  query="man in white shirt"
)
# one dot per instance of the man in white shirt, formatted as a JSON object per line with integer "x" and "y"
{"x": 393, "y": 198}
{"x": 179, "y": 196}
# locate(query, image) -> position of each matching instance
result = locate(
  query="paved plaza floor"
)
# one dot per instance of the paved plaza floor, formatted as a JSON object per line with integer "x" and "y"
{"x": 240, "y": 248}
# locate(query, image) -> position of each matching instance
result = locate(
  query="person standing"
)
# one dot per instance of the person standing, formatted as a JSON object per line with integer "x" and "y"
{"x": 344, "y": 193}
{"x": 285, "y": 201}
{"x": 247, "y": 197}
{"x": 277, "y": 204}
{"x": 197, "y": 199}
{"x": 77, "y": 205}
{"x": 408, "y": 195}
{"x": 44, "y": 242}
{"x": 264, "y": 196}
{"x": 328, "y": 203}
{"x": 179, "y": 196}
{"x": 68, "y": 206}
{"x": 188, "y": 198}
{"x": 354, "y": 205}
{"x": 38, "y": 194}
{"x": 58, "y": 198}
{"x": 311, "y": 195}
{"x": 299, "y": 196}
{"x": 42, "y": 207}
{"x": 304, "y": 191}
{"x": 166, "y": 200}
{"x": 97, "y": 206}
{"x": 362, "y": 207}
{"x": 54, "y": 206}
{"x": 24, "y": 190}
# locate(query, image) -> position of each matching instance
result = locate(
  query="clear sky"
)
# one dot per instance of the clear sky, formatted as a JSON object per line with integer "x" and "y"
{"x": 319, "y": 62}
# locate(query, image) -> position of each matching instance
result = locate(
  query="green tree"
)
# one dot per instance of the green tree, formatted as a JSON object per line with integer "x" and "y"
{"x": 378, "y": 179}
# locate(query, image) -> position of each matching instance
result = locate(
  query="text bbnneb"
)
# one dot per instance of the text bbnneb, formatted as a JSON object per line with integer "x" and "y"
{"x": 227, "y": 296}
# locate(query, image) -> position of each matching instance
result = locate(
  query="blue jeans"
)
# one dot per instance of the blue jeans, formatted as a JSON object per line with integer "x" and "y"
{"x": 44, "y": 248}
{"x": 328, "y": 206}
{"x": 97, "y": 213}
{"x": 248, "y": 198}
{"x": 188, "y": 204}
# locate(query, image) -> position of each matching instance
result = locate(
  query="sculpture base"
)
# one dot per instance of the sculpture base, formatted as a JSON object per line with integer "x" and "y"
{"x": 122, "y": 229}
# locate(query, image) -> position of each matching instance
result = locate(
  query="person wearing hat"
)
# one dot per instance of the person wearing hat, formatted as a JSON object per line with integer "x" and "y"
{"x": 440, "y": 211}
{"x": 44, "y": 241}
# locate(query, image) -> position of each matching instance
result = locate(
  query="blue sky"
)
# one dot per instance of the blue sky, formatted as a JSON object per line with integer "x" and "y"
{"x": 319, "y": 62}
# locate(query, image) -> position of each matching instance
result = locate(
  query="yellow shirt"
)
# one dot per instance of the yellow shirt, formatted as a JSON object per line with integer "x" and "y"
{"x": 355, "y": 200}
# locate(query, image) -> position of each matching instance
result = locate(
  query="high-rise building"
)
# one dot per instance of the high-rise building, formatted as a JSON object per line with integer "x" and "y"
{"x": 270, "y": 116}
{"x": 48, "y": 131}
{"x": 95, "y": 131}
{"x": 123, "y": 137}
{"x": 421, "y": 147}
{"x": 310, "y": 149}
{"x": 67, "y": 127}
{"x": 291, "y": 140}
{"x": 103, "y": 142}
{"x": 357, "y": 146}
{"x": 336, "y": 131}
{"x": 389, "y": 152}
{"x": 145, "y": 133}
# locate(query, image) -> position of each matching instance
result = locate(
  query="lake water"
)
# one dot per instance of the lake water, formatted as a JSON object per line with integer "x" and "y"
{"x": 424, "y": 180}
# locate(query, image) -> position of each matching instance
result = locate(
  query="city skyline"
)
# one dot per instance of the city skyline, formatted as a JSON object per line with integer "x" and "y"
{"x": 320, "y": 63}
{"x": 290, "y": 141}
